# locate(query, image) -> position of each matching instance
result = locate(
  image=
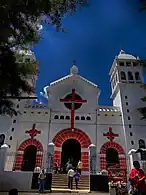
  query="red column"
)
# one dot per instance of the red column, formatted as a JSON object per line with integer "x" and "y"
{"x": 123, "y": 162}
{"x": 18, "y": 163}
{"x": 57, "y": 157}
{"x": 102, "y": 162}
{"x": 39, "y": 159}
{"x": 85, "y": 161}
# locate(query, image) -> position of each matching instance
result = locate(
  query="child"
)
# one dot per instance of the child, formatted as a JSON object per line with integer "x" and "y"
{"x": 77, "y": 176}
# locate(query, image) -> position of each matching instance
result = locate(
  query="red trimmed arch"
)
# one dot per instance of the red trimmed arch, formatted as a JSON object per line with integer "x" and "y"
{"x": 113, "y": 145}
{"x": 21, "y": 149}
{"x": 29, "y": 142}
{"x": 81, "y": 137}
{"x": 122, "y": 167}
{"x": 77, "y": 134}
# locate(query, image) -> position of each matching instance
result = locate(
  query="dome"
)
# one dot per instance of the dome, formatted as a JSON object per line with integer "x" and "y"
{"x": 123, "y": 56}
{"x": 74, "y": 70}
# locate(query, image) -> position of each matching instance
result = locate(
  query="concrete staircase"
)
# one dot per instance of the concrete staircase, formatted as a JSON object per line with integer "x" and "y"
{"x": 60, "y": 181}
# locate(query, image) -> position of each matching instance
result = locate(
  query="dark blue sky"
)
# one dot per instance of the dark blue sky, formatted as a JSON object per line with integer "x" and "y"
{"x": 95, "y": 36}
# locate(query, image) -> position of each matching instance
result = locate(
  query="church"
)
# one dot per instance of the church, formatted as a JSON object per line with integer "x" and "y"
{"x": 73, "y": 120}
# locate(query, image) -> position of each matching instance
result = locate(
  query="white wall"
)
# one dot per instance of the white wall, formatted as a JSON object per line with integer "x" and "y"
{"x": 106, "y": 119}
{"x": 64, "y": 87}
{"x": 134, "y": 94}
{"x": 19, "y": 180}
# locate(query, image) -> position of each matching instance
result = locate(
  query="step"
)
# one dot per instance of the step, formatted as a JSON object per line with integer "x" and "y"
{"x": 60, "y": 181}
{"x": 68, "y": 190}
{"x": 80, "y": 186}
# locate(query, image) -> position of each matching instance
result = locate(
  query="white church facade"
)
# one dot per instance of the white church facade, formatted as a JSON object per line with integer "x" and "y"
{"x": 73, "y": 120}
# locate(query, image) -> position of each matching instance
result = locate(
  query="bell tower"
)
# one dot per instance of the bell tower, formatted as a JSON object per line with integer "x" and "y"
{"x": 126, "y": 77}
{"x": 125, "y": 69}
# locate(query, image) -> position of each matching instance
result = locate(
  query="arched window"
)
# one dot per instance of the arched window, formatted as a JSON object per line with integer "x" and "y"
{"x": 88, "y": 118}
{"x": 82, "y": 118}
{"x": 67, "y": 117}
{"x": 116, "y": 78}
{"x": 77, "y": 118}
{"x": 2, "y": 139}
{"x": 142, "y": 145}
{"x": 128, "y": 63}
{"x": 121, "y": 63}
{"x": 130, "y": 76}
{"x": 61, "y": 117}
{"x": 56, "y": 117}
{"x": 123, "y": 75}
{"x": 137, "y": 76}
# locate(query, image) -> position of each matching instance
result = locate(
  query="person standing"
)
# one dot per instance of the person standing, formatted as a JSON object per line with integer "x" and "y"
{"x": 68, "y": 165}
{"x": 77, "y": 176}
{"x": 42, "y": 177}
{"x": 70, "y": 176}
{"x": 137, "y": 180}
{"x": 79, "y": 167}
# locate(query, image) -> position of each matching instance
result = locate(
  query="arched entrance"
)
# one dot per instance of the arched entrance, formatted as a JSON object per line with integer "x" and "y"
{"x": 71, "y": 150}
{"x": 78, "y": 135}
{"x": 30, "y": 149}
{"x": 29, "y": 158}
{"x": 112, "y": 158}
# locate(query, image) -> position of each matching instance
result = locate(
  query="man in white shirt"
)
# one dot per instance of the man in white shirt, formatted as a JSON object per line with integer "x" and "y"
{"x": 70, "y": 175}
{"x": 79, "y": 167}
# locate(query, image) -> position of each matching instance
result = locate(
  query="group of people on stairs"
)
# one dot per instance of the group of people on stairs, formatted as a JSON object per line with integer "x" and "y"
{"x": 67, "y": 167}
{"x": 70, "y": 174}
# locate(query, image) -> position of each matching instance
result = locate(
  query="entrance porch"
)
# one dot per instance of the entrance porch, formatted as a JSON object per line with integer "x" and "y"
{"x": 72, "y": 145}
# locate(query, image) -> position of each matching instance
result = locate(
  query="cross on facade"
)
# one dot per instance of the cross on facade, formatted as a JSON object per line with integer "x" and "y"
{"x": 73, "y": 101}
{"x": 110, "y": 135}
{"x": 33, "y": 132}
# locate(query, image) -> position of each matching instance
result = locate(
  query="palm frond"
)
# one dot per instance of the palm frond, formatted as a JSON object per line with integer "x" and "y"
{"x": 142, "y": 111}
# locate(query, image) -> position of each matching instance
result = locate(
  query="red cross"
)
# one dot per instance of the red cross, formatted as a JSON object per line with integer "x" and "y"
{"x": 73, "y": 101}
{"x": 110, "y": 135}
{"x": 33, "y": 132}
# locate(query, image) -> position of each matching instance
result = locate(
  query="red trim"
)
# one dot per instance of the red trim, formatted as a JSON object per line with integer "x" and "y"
{"x": 80, "y": 136}
{"x": 110, "y": 135}
{"x": 122, "y": 166}
{"x": 21, "y": 149}
{"x": 114, "y": 145}
{"x": 77, "y": 134}
{"x": 72, "y": 100}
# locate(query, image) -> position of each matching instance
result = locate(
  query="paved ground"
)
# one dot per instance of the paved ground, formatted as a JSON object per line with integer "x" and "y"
{"x": 21, "y": 193}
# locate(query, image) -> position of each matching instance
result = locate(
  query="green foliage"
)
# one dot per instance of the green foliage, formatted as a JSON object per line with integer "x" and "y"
{"x": 142, "y": 112}
{"x": 19, "y": 30}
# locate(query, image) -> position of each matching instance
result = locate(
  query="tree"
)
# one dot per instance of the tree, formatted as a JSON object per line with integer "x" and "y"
{"x": 19, "y": 30}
